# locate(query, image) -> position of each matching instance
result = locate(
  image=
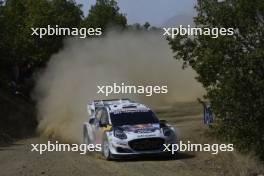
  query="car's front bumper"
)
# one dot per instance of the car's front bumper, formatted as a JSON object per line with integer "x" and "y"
{"x": 123, "y": 147}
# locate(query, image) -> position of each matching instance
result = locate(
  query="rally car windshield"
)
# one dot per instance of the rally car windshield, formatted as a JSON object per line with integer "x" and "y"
{"x": 133, "y": 118}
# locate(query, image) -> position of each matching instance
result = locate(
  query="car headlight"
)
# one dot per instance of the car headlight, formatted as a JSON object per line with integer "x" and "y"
{"x": 120, "y": 134}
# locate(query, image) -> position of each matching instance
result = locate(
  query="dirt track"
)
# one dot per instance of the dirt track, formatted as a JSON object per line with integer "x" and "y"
{"x": 19, "y": 160}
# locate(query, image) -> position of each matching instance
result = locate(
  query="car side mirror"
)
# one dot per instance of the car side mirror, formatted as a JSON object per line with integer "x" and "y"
{"x": 163, "y": 121}
{"x": 91, "y": 121}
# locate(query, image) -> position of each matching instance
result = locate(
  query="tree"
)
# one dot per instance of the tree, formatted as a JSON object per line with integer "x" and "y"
{"x": 146, "y": 25}
{"x": 20, "y": 16}
{"x": 2, "y": 29}
{"x": 231, "y": 68}
{"x": 105, "y": 13}
{"x": 1, "y": 26}
{"x": 18, "y": 48}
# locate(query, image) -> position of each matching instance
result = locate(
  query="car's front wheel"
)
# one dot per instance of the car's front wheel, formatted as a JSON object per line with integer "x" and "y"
{"x": 86, "y": 139}
{"x": 105, "y": 149}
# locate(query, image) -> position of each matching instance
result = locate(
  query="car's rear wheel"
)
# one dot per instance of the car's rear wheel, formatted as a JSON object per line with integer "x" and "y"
{"x": 105, "y": 149}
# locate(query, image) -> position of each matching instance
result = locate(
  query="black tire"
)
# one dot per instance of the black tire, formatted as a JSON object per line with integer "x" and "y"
{"x": 86, "y": 139}
{"x": 105, "y": 149}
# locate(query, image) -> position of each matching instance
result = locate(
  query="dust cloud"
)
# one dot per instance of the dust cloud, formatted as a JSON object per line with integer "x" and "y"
{"x": 71, "y": 78}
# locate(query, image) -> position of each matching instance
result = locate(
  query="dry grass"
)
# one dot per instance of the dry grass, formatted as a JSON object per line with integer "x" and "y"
{"x": 187, "y": 117}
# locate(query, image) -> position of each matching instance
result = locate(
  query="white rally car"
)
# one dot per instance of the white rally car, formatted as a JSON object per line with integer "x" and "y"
{"x": 124, "y": 127}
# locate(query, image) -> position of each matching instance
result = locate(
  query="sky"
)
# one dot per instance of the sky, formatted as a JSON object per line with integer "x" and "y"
{"x": 156, "y": 12}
